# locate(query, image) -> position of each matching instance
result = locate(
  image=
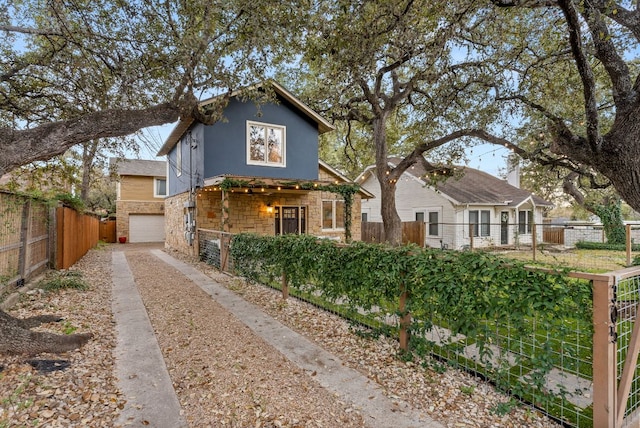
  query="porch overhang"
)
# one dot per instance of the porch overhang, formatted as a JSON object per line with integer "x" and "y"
{"x": 257, "y": 185}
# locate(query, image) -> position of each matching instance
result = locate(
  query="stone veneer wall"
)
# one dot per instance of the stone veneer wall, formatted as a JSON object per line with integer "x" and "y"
{"x": 174, "y": 224}
{"x": 125, "y": 208}
{"x": 248, "y": 213}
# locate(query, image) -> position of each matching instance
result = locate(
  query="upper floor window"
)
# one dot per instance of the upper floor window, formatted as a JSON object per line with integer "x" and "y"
{"x": 159, "y": 187}
{"x": 266, "y": 144}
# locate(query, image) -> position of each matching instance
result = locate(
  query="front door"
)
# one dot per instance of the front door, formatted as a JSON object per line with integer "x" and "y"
{"x": 290, "y": 220}
{"x": 504, "y": 227}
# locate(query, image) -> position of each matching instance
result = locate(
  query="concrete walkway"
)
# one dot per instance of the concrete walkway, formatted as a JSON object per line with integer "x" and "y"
{"x": 142, "y": 375}
{"x": 151, "y": 399}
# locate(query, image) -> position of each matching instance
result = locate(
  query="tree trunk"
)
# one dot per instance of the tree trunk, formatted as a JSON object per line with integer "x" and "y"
{"x": 388, "y": 211}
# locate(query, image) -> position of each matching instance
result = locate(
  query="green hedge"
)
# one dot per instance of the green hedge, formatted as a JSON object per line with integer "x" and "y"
{"x": 464, "y": 286}
{"x": 586, "y": 245}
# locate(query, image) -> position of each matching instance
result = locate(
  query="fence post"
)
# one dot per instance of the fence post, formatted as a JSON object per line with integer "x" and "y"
{"x": 224, "y": 252}
{"x": 604, "y": 353}
{"x": 405, "y": 317}
{"x": 534, "y": 239}
{"x": 470, "y": 236}
{"x": 285, "y": 286}
{"x": 23, "y": 262}
{"x": 628, "y": 241}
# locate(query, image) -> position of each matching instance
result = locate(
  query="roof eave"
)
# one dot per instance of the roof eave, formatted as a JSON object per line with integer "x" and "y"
{"x": 184, "y": 124}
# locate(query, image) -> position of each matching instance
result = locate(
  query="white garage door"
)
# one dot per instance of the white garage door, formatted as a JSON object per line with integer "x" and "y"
{"x": 146, "y": 228}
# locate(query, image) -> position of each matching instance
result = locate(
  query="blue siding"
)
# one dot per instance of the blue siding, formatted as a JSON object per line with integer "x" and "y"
{"x": 192, "y": 162}
{"x": 226, "y": 142}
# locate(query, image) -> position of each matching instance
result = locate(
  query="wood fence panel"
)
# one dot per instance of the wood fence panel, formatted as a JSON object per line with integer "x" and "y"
{"x": 77, "y": 233}
{"x": 553, "y": 235}
{"x": 37, "y": 239}
{"x": 24, "y": 238}
{"x": 372, "y": 232}
{"x": 412, "y": 231}
{"x": 108, "y": 231}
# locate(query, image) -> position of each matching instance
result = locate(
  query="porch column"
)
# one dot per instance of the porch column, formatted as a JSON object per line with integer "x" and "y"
{"x": 226, "y": 227}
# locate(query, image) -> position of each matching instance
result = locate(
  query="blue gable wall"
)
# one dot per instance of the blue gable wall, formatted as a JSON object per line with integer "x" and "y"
{"x": 225, "y": 144}
{"x": 219, "y": 149}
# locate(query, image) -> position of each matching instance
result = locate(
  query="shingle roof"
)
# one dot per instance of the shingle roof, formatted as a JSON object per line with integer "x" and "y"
{"x": 472, "y": 186}
{"x": 149, "y": 168}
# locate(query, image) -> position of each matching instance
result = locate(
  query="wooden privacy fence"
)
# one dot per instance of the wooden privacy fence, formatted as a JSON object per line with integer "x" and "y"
{"x": 75, "y": 235}
{"x": 24, "y": 238}
{"x": 34, "y": 236}
{"x": 553, "y": 235}
{"x": 412, "y": 232}
{"x": 108, "y": 231}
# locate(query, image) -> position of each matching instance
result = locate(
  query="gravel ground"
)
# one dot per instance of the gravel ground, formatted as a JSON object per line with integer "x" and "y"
{"x": 224, "y": 375}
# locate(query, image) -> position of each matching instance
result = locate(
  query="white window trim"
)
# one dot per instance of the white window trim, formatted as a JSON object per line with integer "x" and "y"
{"x": 155, "y": 188}
{"x": 480, "y": 223}
{"x": 333, "y": 215}
{"x": 282, "y": 164}
{"x": 528, "y": 222}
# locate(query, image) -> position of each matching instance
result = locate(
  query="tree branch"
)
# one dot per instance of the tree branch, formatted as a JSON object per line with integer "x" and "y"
{"x": 524, "y": 3}
{"x": 606, "y": 52}
{"x": 30, "y": 31}
{"x": 45, "y": 141}
{"x": 586, "y": 75}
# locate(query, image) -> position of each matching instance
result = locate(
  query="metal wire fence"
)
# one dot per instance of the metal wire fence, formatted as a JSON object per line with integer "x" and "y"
{"x": 627, "y": 293}
{"x": 569, "y": 246}
{"x": 547, "y": 363}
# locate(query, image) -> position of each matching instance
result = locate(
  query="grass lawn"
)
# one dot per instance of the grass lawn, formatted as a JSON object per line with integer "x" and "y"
{"x": 593, "y": 261}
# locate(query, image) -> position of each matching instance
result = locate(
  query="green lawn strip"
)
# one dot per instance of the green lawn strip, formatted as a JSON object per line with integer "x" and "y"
{"x": 584, "y": 260}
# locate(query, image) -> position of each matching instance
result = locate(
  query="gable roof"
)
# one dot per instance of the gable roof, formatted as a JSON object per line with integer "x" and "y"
{"x": 184, "y": 124}
{"x": 472, "y": 186}
{"x": 151, "y": 168}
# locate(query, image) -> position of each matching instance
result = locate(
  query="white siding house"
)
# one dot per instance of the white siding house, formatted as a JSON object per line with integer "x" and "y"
{"x": 470, "y": 208}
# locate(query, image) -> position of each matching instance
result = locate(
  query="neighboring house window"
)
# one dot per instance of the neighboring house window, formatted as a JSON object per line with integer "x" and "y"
{"x": 433, "y": 224}
{"x": 159, "y": 187}
{"x": 332, "y": 215}
{"x": 365, "y": 217}
{"x": 265, "y": 144}
{"x": 480, "y": 221}
{"x": 525, "y": 218}
{"x": 179, "y": 159}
